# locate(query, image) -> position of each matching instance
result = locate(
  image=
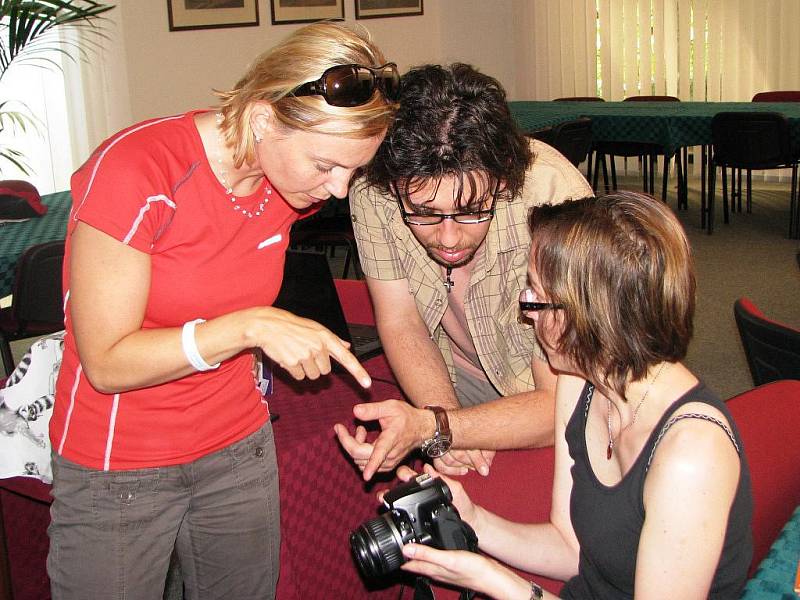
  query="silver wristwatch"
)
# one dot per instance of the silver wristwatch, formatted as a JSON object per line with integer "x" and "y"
{"x": 439, "y": 444}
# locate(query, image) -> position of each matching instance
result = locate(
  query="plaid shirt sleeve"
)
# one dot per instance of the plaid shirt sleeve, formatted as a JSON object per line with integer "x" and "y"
{"x": 372, "y": 224}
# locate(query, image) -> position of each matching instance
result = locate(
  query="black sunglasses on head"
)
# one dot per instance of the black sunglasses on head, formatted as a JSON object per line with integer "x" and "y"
{"x": 353, "y": 85}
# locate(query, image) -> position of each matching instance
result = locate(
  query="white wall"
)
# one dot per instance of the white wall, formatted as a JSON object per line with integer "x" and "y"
{"x": 169, "y": 72}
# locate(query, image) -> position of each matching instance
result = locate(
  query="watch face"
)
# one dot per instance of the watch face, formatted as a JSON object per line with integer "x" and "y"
{"x": 438, "y": 447}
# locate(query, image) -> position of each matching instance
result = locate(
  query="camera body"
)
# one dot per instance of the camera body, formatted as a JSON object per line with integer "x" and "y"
{"x": 419, "y": 511}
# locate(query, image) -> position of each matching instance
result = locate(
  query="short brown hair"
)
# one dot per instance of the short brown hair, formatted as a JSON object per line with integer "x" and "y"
{"x": 621, "y": 266}
{"x": 300, "y": 58}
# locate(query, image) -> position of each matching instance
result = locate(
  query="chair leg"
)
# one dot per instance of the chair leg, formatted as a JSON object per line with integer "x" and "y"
{"x": 589, "y": 167}
{"x": 794, "y": 207}
{"x": 613, "y": 173}
{"x": 665, "y": 178}
{"x": 749, "y": 193}
{"x": 712, "y": 183}
{"x": 705, "y": 156}
{"x": 739, "y": 188}
{"x": 653, "y": 159}
{"x": 682, "y": 170}
{"x": 725, "y": 215}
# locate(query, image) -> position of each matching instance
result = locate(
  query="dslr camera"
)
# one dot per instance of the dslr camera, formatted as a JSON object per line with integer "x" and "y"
{"x": 419, "y": 511}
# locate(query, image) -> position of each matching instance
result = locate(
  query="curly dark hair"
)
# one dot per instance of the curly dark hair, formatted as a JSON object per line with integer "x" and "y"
{"x": 453, "y": 121}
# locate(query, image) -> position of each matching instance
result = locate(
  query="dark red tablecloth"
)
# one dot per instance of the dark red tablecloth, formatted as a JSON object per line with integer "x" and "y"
{"x": 323, "y": 497}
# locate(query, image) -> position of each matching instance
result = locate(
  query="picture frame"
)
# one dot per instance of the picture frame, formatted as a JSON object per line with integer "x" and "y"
{"x": 304, "y": 11}
{"x": 211, "y": 14}
{"x": 377, "y": 9}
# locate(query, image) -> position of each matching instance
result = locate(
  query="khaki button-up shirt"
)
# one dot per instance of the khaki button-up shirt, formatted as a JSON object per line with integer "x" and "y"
{"x": 505, "y": 344}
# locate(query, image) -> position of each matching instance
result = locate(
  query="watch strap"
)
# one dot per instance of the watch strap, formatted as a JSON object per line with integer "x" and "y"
{"x": 439, "y": 444}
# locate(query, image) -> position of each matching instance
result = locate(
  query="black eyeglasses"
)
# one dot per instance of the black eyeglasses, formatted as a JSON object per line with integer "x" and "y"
{"x": 527, "y": 302}
{"x": 463, "y": 218}
{"x": 353, "y": 85}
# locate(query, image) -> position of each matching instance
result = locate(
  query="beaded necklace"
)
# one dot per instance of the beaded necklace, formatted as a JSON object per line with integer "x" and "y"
{"x": 222, "y": 172}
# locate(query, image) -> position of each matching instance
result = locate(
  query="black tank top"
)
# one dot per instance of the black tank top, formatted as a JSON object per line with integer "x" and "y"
{"x": 608, "y": 520}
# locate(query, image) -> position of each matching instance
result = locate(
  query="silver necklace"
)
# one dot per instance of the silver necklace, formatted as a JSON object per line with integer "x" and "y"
{"x": 610, "y": 448}
{"x": 223, "y": 177}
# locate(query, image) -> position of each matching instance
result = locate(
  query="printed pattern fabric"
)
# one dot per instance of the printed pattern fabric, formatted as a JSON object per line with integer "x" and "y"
{"x": 26, "y": 404}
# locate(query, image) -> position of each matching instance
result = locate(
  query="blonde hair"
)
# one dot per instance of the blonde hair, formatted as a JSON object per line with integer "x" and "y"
{"x": 302, "y": 57}
{"x": 621, "y": 266}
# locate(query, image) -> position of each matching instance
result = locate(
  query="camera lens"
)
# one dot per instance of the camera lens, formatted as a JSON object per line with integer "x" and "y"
{"x": 377, "y": 545}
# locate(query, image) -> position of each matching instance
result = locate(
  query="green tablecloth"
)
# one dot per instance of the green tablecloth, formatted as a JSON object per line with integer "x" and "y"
{"x": 669, "y": 124}
{"x": 17, "y": 236}
{"x": 774, "y": 579}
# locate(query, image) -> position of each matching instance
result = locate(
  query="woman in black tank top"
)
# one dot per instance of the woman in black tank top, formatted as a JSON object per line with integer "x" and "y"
{"x": 651, "y": 493}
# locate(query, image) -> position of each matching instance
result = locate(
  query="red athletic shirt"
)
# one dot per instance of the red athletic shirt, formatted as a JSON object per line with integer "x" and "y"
{"x": 151, "y": 187}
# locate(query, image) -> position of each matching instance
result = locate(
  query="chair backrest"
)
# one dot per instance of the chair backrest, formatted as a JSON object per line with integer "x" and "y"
{"x": 38, "y": 295}
{"x": 573, "y": 139}
{"x": 772, "y": 349}
{"x": 750, "y": 140}
{"x": 777, "y": 96}
{"x": 579, "y": 99}
{"x": 545, "y": 134}
{"x": 768, "y": 418}
{"x": 652, "y": 99}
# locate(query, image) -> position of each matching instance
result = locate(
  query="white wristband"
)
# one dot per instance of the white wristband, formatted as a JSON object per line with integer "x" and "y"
{"x": 190, "y": 347}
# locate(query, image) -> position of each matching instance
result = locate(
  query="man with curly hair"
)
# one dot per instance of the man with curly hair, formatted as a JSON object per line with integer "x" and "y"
{"x": 440, "y": 218}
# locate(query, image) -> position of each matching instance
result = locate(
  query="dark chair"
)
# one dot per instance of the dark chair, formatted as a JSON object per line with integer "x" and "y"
{"x": 751, "y": 141}
{"x": 777, "y": 96}
{"x": 578, "y": 99}
{"x": 573, "y": 139}
{"x": 37, "y": 305}
{"x": 592, "y": 154}
{"x": 736, "y": 180}
{"x": 329, "y": 229}
{"x": 772, "y": 348}
{"x": 646, "y": 152}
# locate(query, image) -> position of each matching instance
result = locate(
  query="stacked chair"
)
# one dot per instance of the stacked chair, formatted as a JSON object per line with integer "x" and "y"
{"x": 573, "y": 139}
{"x": 592, "y": 155}
{"x": 751, "y": 141}
{"x": 646, "y": 152}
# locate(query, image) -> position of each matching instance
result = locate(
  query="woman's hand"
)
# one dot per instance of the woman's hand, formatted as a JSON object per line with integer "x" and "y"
{"x": 465, "y": 570}
{"x": 301, "y": 346}
{"x": 466, "y": 508}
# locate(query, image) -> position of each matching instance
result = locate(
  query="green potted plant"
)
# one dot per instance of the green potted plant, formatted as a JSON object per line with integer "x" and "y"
{"x": 26, "y": 35}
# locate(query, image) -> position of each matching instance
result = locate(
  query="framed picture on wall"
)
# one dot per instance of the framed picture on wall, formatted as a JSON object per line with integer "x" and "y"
{"x": 375, "y": 9}
{"x": 303, "y": 11}
{"x": 211, "y": 14}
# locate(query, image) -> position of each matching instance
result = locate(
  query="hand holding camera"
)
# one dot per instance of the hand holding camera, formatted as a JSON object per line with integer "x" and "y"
{"x": 418, "y": 511}
{"x": 461, "y": 501}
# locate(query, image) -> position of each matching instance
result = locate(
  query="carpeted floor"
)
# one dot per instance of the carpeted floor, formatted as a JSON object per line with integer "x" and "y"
{"x": 752, "y": 256}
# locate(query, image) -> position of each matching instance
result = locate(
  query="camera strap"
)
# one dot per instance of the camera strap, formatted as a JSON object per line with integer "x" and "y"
{"x": 423, "y": 591}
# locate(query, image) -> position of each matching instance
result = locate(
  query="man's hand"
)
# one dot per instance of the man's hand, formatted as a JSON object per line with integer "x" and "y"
{"x": 458, "y": 462}
{"x": 403, "y": 427}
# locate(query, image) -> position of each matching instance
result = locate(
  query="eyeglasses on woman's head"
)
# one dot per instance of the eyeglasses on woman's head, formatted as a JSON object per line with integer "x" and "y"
{"x": 353, "y": 85}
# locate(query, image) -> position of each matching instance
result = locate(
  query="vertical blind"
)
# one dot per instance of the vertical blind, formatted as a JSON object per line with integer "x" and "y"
{"x": 703, "y": 50}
